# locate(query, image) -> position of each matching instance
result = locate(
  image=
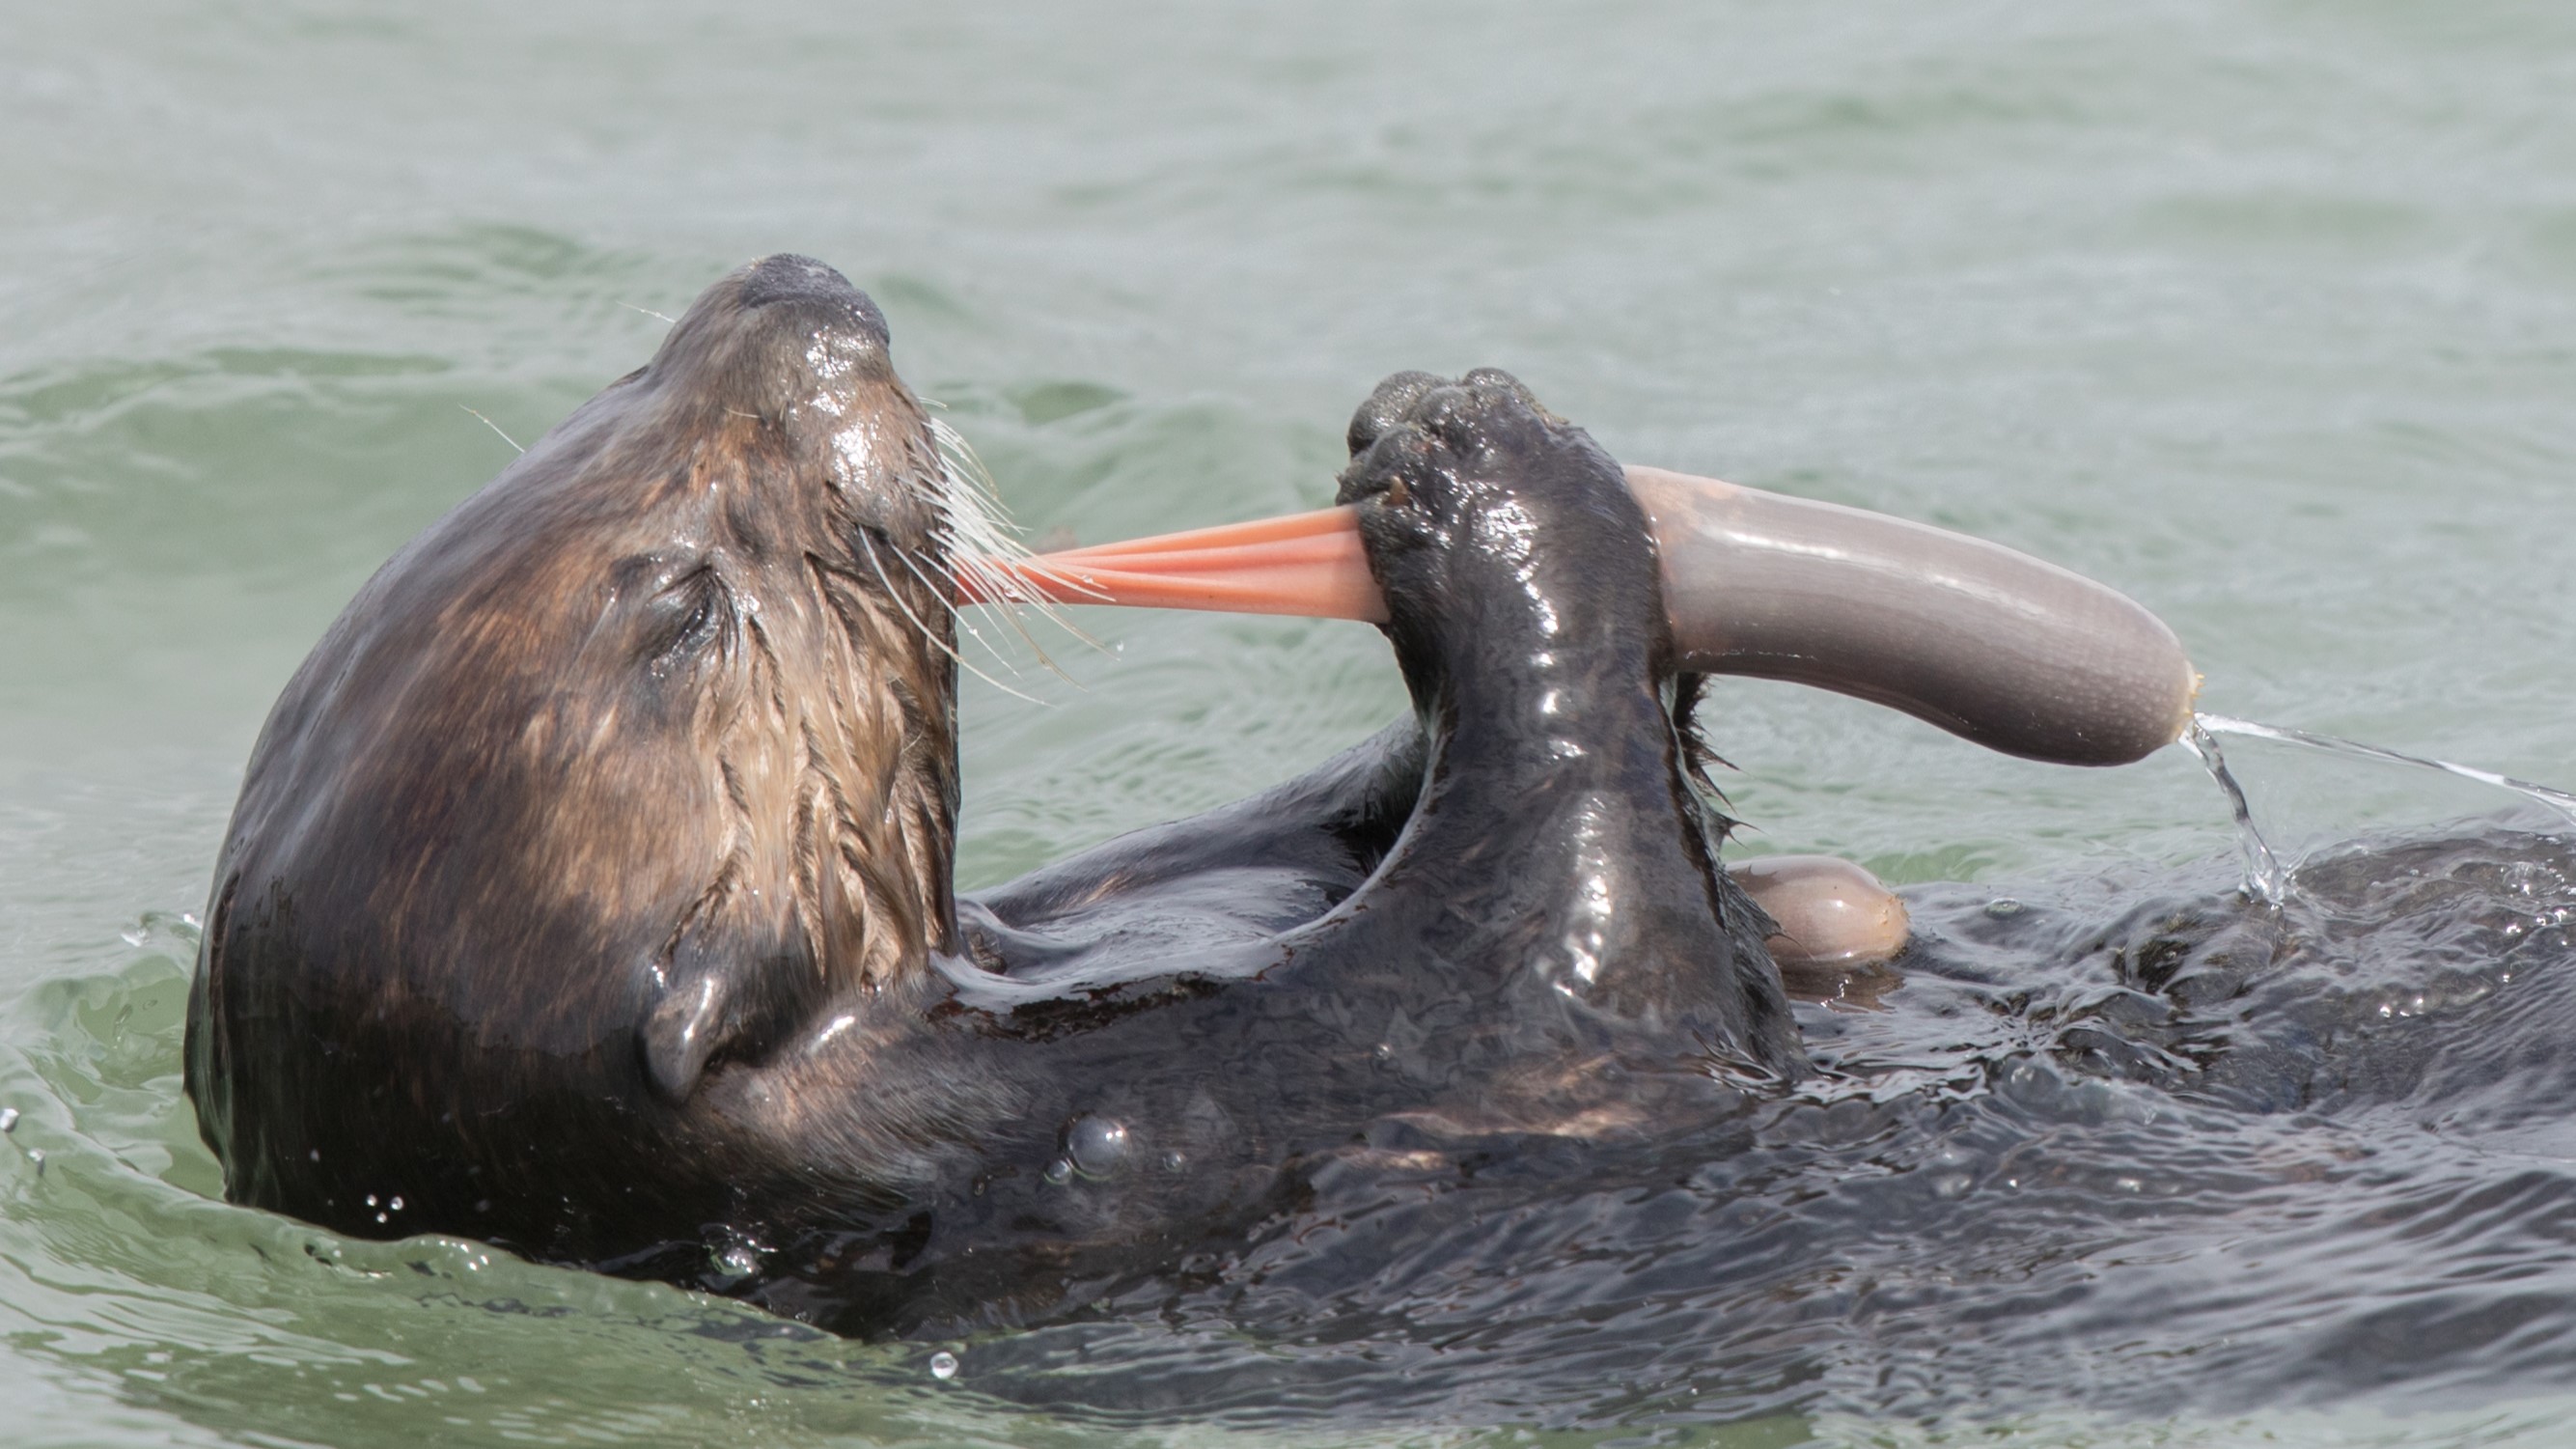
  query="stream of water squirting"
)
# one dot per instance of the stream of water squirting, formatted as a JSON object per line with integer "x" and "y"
{"x": 2266, "y": 878}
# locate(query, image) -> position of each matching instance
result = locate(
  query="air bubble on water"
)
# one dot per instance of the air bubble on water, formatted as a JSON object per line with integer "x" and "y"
{"x": 1059, "y": 1172}
{"x": 8, "y": 1119}
{"x": 1096, "y": 1146}
{"x": 1175, "y": 1163}
{"x": 737, "y": 1256}
{"x": 2004, "y": 908}
{"x": 1950, "y": 1185}
{"x": 943, "y": 1365}
{"x": 36, "y": 1155}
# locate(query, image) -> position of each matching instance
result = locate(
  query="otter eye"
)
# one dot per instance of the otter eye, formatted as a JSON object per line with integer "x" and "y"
{"x": 686, "y": 615}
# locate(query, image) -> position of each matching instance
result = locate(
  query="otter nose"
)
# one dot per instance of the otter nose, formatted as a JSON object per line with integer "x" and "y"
{"x": 789, "y": 280}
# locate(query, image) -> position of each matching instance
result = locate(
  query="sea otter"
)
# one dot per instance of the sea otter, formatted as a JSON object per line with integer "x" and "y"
{"x": 589, "y": 891}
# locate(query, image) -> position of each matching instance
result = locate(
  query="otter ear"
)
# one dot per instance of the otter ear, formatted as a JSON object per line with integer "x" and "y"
{"x": 732, "y": 986}
{"x": 682, "y": 1033}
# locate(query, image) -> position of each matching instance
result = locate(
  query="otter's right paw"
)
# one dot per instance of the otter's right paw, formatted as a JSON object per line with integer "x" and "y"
{"x": 1483, "y": 510}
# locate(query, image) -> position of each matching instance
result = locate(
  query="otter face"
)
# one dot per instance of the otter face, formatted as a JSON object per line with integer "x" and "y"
{"x": 627, "y": 766}
{"x": 784, "y": 361}
{"x": 815, "y": 656}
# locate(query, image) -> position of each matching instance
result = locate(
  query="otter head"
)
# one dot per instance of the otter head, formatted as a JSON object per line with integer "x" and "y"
{"x": 633, "y": 762}
{"x": 800, "y": 614}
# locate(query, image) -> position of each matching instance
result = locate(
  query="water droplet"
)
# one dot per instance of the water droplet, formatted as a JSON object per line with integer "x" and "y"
{"x": 1059, "y": 1172}
{"x": 371, "y": 1199}
{"x": 737, "y": 1256}
{"x": 1097, "y": 1146}
{"x": 396, "y": 1204}
{"x": 1175, "y": 1163}
{"x": 1950, "y": 1185}
{"x": 1386, "y": 1051}
{"x": 380, "y": 1217}
{"x": 8, "y": 1119}
{"x": 943, "y": 1365}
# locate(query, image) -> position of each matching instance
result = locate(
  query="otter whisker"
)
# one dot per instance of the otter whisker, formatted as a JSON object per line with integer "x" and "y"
{"x": 904, "y": 557}
{"x": 975, "y": 529}
{"x": 970, "y": 507}
{"x": 995, "y": 583}
{"x": 930, "y": 636}
{"x": 495, "y": 427}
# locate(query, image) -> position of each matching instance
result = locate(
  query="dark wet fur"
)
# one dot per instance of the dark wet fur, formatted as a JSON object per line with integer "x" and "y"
{"x": 2124, "y": 1147}
{"x": 588, "y": 894}
{"x": 587, "y": 881}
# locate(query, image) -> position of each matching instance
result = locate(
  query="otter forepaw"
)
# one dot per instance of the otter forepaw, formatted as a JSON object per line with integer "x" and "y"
{"x": 1480, "y": 507}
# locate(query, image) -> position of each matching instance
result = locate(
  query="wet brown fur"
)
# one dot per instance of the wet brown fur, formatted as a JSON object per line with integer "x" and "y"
{"x": 653, "y": 669}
